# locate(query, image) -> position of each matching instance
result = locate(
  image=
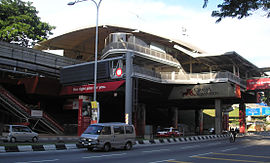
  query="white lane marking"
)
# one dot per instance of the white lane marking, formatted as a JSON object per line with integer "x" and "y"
{"x": 39, "y": 161}
{"x": 158, "y": 150}
{"x": 202, "y": 154}
{"x": 192, "y": 146}
{"x": 162, "y": 161}
{"x": 120, "y": 154}
{"x": 229, "y": 149}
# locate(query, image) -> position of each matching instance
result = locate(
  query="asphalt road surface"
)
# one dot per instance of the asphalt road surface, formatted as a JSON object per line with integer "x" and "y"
{"x": 253, "y": 149}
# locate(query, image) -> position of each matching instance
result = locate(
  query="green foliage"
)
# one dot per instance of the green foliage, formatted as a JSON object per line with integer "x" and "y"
{"x": 20, "y": 24}
{"x": 239, "y": 8}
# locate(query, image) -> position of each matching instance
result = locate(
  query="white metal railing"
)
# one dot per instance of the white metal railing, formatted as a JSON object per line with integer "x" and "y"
{"x": 174, "y": 77}
{"x": 138, "y": 48}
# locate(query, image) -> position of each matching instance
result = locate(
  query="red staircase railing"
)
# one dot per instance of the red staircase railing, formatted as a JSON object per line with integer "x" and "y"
{"x": 21, "y": 105}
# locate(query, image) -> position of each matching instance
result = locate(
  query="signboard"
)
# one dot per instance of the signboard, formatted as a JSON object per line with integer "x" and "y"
{"x": 253, "y": 111}
{"x": 262, "y": 83}
{"x": 83, "y": 89}
{"x": 219, "y": 90}
{"x": 266, "y": 111}
{"x": 37, "y": 113}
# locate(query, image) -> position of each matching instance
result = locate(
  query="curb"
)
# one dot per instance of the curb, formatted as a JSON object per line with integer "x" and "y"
{"x": 29, "y": 148}
{"x": 62, "y": 146}
{"x": 181, "y": 139}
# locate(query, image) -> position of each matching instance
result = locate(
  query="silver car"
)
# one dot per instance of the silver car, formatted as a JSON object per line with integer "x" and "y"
{"x": 13, "y": 133}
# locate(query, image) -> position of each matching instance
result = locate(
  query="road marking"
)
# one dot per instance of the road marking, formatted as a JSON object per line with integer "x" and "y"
{"x": 228, "y": 154}
{"x": 120, "y": 154}
{"x": 159, "y": 150}
{"x": 39, "y": 161}
{"x": 162, "y": 161}
{"x": 229, "y": 149}
{"x": 189, "y": 147}
{"x": 201, "y": 154}
{"x": 225, "y": 159}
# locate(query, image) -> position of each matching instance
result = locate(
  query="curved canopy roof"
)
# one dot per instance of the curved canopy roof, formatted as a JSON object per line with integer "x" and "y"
{"x": 83, "y": 41}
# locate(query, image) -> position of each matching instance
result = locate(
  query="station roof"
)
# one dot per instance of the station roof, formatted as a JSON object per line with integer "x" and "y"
{"x": 83, "y": 40}
{"x": 227, "y": 60}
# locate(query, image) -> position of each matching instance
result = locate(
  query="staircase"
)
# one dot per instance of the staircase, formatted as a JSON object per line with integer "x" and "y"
{"x": 18, "y": 108}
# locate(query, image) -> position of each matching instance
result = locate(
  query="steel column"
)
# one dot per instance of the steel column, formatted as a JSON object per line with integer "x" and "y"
{"x": 128, "y": 91}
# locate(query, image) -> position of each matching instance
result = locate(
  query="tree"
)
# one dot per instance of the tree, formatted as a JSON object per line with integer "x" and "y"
{"x": 239, "y": 8}
{"x": 20, "y": 24}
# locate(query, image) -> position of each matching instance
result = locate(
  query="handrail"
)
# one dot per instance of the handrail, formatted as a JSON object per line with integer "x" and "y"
{"x": 47, "y": 117}
{"x": 19, "y": 103}
{"x": 138, "y": 48}
{"x": 184, "y": 77}
{"x": 14, "y": 100}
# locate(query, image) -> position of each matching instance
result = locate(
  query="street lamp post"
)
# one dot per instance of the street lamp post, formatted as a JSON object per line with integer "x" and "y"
{"x": 96, "y": 44}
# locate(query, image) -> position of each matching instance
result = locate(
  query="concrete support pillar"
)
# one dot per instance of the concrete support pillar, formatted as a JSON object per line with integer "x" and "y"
{"x": 234, "y": 70}
{"x": 174, "y": 112}
{"x": 242, "y": 117}
{"x": 140, "y": 120}
{"x": 128, "y": 91}
{"x": 199, "y": 121}
{"x": 190, "y": 67}
{"x": 218, "y": 117}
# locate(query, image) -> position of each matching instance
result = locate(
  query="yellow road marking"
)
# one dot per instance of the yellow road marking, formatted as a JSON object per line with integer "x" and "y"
{"x": 225, "y": 159}
{"x": 228, "y": 154}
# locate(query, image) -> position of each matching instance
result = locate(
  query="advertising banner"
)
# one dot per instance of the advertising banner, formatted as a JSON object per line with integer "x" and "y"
{"x": 219, "y": 90}
{"x": 84, "y": 113}
{"x": 84, "y": 89}
{"x": 262, "y": 83}
{"x": 266, "y": 111}
{"x": 253, "y": 111}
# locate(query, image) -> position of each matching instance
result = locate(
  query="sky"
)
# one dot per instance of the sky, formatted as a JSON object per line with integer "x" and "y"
{"x": 184, "y": 20}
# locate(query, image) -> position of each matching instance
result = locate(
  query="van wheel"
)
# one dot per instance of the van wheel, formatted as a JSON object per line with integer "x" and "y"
{"x": 107, "y": 147}
{"x": 35, "y": 139}
{"x": 128, "y": 146}
{"x": 12, "y": 140}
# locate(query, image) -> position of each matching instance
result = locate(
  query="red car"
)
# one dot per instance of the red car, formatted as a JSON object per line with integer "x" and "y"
{"x": 168, "y": 132}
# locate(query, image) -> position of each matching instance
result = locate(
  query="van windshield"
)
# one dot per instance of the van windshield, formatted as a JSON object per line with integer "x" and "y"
{"x": 93, "y": 130}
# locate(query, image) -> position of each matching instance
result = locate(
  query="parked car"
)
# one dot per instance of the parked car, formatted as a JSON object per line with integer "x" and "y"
{"x": 168, "y": 132}
{"x": 108, "y": 135}
{"x": 212, "y": 130}
{"x": 13, "y": 133}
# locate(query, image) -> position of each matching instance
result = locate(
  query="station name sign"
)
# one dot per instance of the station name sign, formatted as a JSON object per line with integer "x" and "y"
{"x": 84, "y": 89}
{"x": 205, "y": 91}
{"x": 262, "y": 83}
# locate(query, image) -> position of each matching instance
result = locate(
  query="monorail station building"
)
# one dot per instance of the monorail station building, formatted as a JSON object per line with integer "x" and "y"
{"x": 142, "y": 79}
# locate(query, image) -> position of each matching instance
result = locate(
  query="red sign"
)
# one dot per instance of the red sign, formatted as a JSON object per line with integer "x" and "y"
{"x": 84, "y": 89}
{"x": 119, "y": 72}
{"x": 262, "y": 83}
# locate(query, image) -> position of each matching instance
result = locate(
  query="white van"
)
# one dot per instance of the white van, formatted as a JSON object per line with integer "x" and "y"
{"x": 108, "y": 135}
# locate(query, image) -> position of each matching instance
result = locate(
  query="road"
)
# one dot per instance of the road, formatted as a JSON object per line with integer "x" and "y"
{"x": 246, "y": 149}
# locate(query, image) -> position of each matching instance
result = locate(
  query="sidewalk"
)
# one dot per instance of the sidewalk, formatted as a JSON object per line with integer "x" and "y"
{"x": 62, "y": 142}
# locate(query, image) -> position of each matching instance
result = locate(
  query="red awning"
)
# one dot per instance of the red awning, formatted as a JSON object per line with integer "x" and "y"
{"x": 85, "y": 89}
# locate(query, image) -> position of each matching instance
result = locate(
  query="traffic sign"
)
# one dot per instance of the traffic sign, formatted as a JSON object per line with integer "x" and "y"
{"x": 119, "y": 72}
